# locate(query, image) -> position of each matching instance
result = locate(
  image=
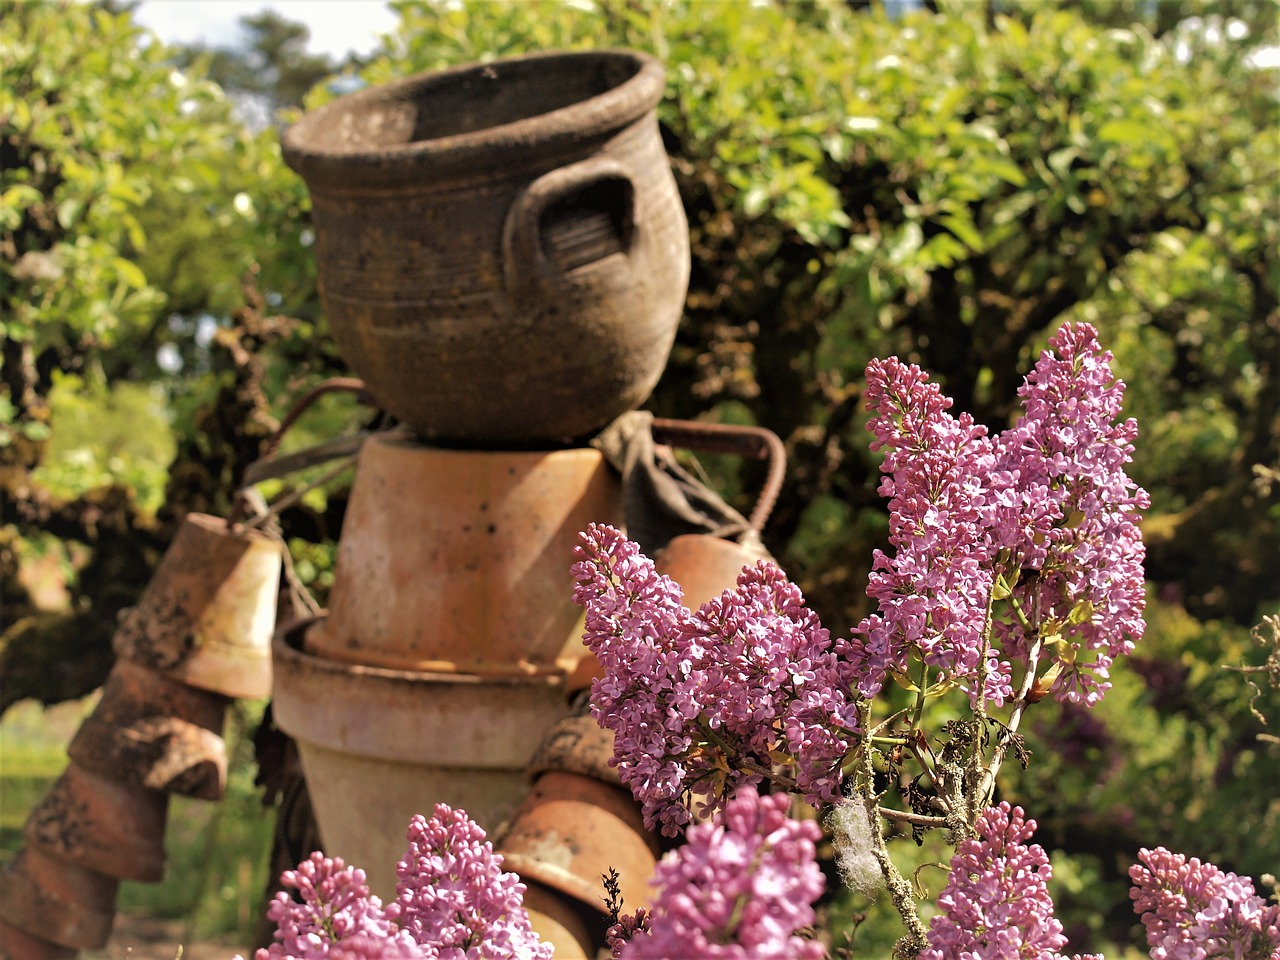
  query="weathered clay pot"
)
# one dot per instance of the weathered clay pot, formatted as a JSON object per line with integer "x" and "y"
{"x": 207, "y": 615}
{"x": 156, "y": 732}
{"x": 576, "y": 823}
{"x": 18, "y": 944}
{"x": 502, "y": 252}
{"x": 380, "y": 745}
{"x": 705, "y": 566}
{"x": 559, "y": 921}
{"x": 571, "y": 829}
{"x": 62, "y": 902}
{"x": 102, "y": 825}
{"x": 455, "y": 560}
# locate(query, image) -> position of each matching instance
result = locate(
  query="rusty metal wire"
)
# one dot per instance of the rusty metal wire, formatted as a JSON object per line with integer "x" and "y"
{"x": 756, "y": 443}
{"x": 333, "y": 385}
{"x": 256, "y": 472}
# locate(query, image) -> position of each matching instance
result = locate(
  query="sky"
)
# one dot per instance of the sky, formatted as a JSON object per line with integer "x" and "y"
{"x": 337, "y": 26}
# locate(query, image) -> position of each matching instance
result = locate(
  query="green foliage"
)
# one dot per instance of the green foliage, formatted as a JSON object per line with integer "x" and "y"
{"x": 104, "y": 436}
{"x": 1171, "y": 757}
{"x": 80, "y": 100}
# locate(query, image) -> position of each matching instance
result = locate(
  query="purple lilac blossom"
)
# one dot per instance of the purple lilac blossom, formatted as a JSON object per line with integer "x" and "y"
{"x": 628, "y": 926}
{"x": 693, "y": 698}
{"x": 337, "y": 916}
{"x": 738, "y": 889}
{"x": 454, "y": 898}
{"x": 453, "y": 902}
{"x": 1195, "y": 911}
{"x": 996, "y": 904}
{"x": 1045, "y": 508}
{"x": 1077, "y": 523}
{"x": 934, "y": 591}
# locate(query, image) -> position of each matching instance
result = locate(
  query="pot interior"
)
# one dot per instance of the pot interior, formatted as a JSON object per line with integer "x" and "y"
{"x": 460, "y": 102}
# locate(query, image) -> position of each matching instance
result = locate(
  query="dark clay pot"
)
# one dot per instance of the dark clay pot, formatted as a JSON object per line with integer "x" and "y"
{"x": 502, "y": 251}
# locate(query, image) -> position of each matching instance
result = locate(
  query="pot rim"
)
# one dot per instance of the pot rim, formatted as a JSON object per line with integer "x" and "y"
{"x": 429, "y": 704}
{"x": 506, "y": 145}
{"x": 288, "y": 651}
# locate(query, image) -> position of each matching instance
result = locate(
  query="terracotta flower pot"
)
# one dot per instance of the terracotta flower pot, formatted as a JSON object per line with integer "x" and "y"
{"x": 559, "y": 921}
{"x": 155, "y": 732}
{"x": 379, "y": 745}
{"x": 207, "y": 615}
{"x": 704, "y": 566}
{"x": 101, "y": 824}
{"x": 456, "y": 560}
{"x": 62, "y": 902}
{"x": 571, "y": 829}
{"x": 18, "y": 944}
{"x": 503, "y": 255}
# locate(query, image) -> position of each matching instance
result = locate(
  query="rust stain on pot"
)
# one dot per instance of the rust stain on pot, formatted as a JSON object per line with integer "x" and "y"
{"x": 160, "y": 637}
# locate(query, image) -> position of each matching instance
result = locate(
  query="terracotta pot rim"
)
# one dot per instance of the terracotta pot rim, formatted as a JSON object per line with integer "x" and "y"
{"x": 411, "y": 718}
{"x": 287, "y": 652}
{"x": 219, "y": 525}
{"x": 403, "y": 438}
{"x": 515, "y": 142}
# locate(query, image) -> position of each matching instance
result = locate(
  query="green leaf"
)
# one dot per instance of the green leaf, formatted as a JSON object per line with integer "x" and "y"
{"x": 1128, "y": 132}
{"x": 35, "y": 430}
{"x": 69, "y": 211}
{"x": 962, "y": 226}
{"x": 130, "y": 273}
{"x": 1000, "y": 167}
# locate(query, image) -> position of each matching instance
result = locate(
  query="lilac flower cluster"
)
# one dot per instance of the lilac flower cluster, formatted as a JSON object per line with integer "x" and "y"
{"x": 1194, "y": 911}
{"x": 453, "y": 902}
{"x": 934, "y": 592}
{"x": 738, "y": 889}
{"x": 337, "y": 916}
{"x": 454, "y": 897}
{"x": 996, "y": 904}
{"x": 1077, "y": 515}
{"x": 1041, "y": 516}
{"x": 708, "y": 701}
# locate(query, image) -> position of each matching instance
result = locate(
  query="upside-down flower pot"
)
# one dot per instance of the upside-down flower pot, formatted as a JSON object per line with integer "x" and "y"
{"x": 502, "y": 252}
{"x": 153, "y": 731}
{"x": 101, "y": 824}
{"x": 560, "y": 921}
{"x": 19, "y": 944}
{"x": 459, "y": 560}
{"x": 207, "y": 616}
{"x": 705, "y": 566}
{"x": 380, "y": 745}
{"x": 571, "y": 829}
{"x": 57, "y": 900}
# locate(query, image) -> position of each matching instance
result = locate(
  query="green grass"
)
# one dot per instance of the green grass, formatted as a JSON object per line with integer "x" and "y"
{"x": 218, "y": 853}
{"x": 33, "y": 752}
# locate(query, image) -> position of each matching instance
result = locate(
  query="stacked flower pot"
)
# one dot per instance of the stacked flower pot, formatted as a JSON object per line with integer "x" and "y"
{"x": 199, "y": 635}
{"x": 451, "y": 628}
{"x": 503, "y": 259}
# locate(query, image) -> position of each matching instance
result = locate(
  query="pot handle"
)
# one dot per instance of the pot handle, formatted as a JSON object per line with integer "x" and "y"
{"x": 524, "y": 258}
